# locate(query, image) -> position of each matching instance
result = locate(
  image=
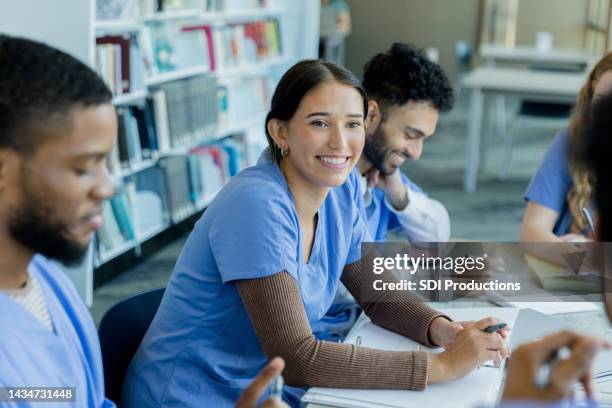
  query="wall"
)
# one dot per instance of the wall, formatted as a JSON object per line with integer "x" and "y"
{"x": 565, "y": 19}
{"x": 441, "y": 23}
{"x": 64, "y": 24}
{"x": 432, "y": 23}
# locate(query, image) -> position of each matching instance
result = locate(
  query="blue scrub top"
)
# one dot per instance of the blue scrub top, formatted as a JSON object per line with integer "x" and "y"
{"x": 201, "y": 349}
{"x": 68, "y": 356}
{"x": 379, "y": 219}
{"x": 550, "y": 185}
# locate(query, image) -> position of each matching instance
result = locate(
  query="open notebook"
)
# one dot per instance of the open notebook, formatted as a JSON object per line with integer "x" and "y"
{"x": 479, "y": 388}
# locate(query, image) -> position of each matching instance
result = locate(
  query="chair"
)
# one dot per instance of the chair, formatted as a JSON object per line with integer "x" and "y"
{"x": 121, "y": 331}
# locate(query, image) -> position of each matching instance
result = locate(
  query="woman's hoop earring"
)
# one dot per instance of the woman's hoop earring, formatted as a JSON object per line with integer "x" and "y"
{"x": 283, "y": 152}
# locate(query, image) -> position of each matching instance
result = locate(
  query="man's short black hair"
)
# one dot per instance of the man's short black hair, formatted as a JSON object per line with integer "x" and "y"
{"x": 599, "y": 159}
{"x": 39, "y": 85}
{"x": 404, "y": 74}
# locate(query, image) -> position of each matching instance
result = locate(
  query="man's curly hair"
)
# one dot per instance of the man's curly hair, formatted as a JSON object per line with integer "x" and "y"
{"x": 39, "y": 85}
{"x": 404, "y": 74}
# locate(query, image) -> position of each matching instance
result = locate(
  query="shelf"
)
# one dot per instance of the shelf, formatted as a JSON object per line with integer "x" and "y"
{"x": 172, "y": 15}
{"x": 219, "y": 134}
{"x": 137, "y": 168}
{"x": 174, "y": 75}
{"x": 130, "y": 98}
{"x": 106, "y": 256}
{"x": 117, "y": 26}
{"x": 151, "y": 232}
{"x": 240, "y": 15}
{"x": 259, "y": 68}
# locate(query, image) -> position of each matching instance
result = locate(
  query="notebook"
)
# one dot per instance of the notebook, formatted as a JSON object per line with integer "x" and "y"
{"x": 479, "y": 388}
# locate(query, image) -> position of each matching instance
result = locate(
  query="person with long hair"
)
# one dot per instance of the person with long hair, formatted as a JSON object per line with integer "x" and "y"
{"x": 264, "y": 263}
{"x": 563, "y": 186}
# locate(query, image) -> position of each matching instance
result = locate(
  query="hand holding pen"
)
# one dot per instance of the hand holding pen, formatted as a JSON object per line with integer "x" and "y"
{"x": 528, "y": 381}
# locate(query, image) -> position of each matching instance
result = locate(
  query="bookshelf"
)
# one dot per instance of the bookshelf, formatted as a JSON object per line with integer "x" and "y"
{"x": 192, "y": 81}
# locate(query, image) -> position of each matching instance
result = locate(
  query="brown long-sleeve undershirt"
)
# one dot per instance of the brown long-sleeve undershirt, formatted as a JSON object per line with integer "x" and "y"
{"x": 276, "y": 311}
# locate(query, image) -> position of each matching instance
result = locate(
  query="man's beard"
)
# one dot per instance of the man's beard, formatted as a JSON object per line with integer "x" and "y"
{"x": 376, "y": 150}
{"x": 33, "y": 226}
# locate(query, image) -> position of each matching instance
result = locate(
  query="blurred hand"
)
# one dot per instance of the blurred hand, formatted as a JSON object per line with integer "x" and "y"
{"x": 251, "y": 395}
{"x": 527, "y": 359}
{"x": 392, "y": 185}
{"x": 470, "y": 348}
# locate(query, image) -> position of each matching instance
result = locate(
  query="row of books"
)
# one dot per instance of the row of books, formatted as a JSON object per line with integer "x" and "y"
{"x": 171, "y": 46}
{"x": 178, "y": 114}
{"x": 120, "y": 63}
{"x": 186, "y": 111}
{"x": 131, "y": 9}
{"x": 241, "y": 44}
{"x": 169, "y": 192}
{"x": 197, "y": 177}
{"x": 118, "y": 225}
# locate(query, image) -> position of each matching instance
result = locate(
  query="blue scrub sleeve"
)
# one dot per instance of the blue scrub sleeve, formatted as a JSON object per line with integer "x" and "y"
{"x": 552, "y": 182}
{"x": 359, "y": 230}
{"x": 255, "y": 235}
{"x": 393, "y": 220}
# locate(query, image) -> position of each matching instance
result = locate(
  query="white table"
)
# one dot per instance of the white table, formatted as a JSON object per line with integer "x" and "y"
{"x": 534, "y": 85}
{"x": 520, "y": 54}
{"x": 594, "y": 323}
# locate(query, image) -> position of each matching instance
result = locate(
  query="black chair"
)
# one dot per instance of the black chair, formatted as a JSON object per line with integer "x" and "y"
{"x": 121, "y": 331}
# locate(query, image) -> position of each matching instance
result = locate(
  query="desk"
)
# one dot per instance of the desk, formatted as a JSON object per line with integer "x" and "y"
{"x": 532, "y": 85}
{"x": 587, "y": 322}
{"x": 530, "y": 55}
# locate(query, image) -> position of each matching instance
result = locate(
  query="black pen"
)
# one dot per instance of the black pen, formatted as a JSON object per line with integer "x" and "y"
{"x": 494, "y": 328}
{"x": 542, "y": 377}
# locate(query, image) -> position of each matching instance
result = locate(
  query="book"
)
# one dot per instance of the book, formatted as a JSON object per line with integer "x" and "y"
{"x": 557, "y": 278}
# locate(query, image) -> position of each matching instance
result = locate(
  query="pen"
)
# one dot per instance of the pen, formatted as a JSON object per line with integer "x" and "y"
{"x": 543, "y": 374}
{"x": 277, "y": 387}
{"x": 589, "y": 221}
{"x": 494, "y": 328}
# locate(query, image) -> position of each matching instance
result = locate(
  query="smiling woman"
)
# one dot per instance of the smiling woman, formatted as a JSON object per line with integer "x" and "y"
{"x": 264, "y": 262}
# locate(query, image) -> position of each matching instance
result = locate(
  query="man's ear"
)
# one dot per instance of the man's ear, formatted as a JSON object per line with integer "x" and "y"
{"x": 278, "y": 132}
{"x": 9, "y": 161}
{"x": 4, "y": 163}
{"x": 374, "y": 115}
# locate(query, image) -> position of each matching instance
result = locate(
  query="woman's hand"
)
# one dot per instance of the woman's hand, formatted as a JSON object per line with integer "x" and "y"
{"x": 251, "y": 395}
{"x": 443, "y": 332}
{"x": 470, "y": 348}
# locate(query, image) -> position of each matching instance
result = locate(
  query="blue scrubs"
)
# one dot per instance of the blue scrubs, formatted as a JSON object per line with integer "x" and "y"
{"x": 69, "y": 356}
{"x": 378, "y": 217}
{"x": 201, "y": 349}
{"x": 552, "y": 182}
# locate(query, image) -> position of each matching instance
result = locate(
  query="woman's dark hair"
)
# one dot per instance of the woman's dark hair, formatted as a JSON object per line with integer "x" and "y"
{"x": 598, "y": 130}
{"x": 297, "y": 82}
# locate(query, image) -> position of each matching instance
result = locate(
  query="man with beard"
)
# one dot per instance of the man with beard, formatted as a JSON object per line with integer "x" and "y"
{"x": 406, "y": 93}
{"x": 57, "y": 127}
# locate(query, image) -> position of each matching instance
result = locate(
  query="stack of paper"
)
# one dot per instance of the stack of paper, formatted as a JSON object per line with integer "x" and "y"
{"x": 479, "y": 388}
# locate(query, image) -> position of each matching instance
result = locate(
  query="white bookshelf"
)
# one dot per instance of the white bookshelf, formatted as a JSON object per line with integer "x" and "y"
{"x": 174, "y": 75}
{"x": 75, "y": 30}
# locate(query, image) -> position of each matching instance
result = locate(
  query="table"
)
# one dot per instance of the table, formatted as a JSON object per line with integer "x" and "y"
{"x": 521, "y": 54}
{"x": 533, "y": 85}
{"x": 595, "y": 323}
